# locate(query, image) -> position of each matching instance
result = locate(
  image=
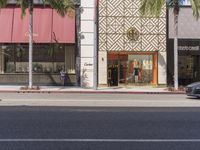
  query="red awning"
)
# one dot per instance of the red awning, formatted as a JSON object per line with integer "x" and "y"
{"x": 63, "y": 29}
{"x": 42, "y": 20}
{"x": 6, "y": 15}
{"x": 48, "y": 27}
{"x": 42, "y": 25}
{"x": 20, "y": 27}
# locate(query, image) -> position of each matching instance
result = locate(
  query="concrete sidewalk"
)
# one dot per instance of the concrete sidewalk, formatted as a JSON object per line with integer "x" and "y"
{"x": 49, "y": 96}
{"x": 73, "y": 89}
{"x": 97, "y": 100}
{"x": 101, "y": 103}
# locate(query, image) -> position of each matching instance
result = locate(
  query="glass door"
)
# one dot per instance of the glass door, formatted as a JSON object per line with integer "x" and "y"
{"x": 113, "y": 73}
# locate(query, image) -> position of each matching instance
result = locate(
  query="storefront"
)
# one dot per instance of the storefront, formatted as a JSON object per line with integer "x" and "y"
{"x": 132, "y": 68}
{"x": 132, "y": 49}
{"x": 188, "y": 60}
{"x": 53, "y": 47}
{"x": 188, "y": 47}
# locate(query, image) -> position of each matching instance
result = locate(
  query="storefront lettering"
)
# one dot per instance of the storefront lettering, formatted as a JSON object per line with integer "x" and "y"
{"x": 34, "y": 34}
{"x": 188, "y": 48}
{"x": 88, "y": 64}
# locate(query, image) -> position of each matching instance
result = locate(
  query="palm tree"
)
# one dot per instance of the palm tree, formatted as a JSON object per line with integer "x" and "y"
{"x": 63, "y": 7}
{"x": 154, "y": 7}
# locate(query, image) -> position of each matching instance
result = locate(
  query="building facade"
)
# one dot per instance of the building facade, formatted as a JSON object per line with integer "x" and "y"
{"x": 188, "y": 46}
{"x": 88, "y": 43}
{"x": 131, "y": 47}
{"x": 118, "y": 46}
{"x": 54, "y": 46}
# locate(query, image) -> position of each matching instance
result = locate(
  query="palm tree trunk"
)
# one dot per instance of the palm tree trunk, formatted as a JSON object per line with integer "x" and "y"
{"x": 30, "y": 42}
{"x": 77, "y": 16}
{"x": 176, "y": 51}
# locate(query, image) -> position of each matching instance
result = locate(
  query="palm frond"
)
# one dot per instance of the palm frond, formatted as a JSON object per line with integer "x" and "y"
{"x": 63, "y": 7}
{"x": 24, "y": 5}
{"x": 151, "y": 7}
{"x": 195, "y": 7}
{"x": 176, "y": 6}
{"x": 3, "y": 3}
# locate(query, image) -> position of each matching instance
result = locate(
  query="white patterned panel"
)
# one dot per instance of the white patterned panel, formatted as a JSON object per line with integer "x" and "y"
{"x": 102, "y": 25}
{"x": 102, "y": 7}
{"x": 163, "y": 12}
{"x": 162, "y": 43}
{"x": 132, "y": 22}
{"x": 149, "y": 42}
{"x": 122, "y": 15}
{"x": 102, "y": 42}
{"x": 135, "y": 3}
{"x": 162, "y": 26}
{"x": 115, "y": 8}
{"x": 133, "y": 45}
{"x": 115, "y": 42}
{"x": 150, "y": 26}
{"x": 115, "y": 25}
{"x": 132, "y": 7}
{"x": 102, "y": 11}
{"x": 102, "y": 3}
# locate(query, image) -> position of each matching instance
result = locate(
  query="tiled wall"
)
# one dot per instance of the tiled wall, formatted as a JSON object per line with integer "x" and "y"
{"x": 117, "y": 16}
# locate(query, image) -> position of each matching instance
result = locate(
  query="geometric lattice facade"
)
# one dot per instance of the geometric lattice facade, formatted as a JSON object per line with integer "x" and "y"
{"x": 116, "y": 17}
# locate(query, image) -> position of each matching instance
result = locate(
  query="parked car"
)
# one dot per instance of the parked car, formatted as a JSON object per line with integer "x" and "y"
{"x": 193, "y": 89}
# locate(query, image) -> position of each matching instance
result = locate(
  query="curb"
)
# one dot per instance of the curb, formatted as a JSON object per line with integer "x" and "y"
{"x": 92, "y": 92}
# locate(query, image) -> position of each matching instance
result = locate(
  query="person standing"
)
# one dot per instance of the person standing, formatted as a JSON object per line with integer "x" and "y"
{"x": 62, "y": 77}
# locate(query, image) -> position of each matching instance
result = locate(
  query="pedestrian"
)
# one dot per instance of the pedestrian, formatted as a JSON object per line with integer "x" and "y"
{"x": 62, "y": 77}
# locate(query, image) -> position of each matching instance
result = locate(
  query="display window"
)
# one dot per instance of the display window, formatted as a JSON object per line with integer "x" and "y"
{"x": 139, "y": 69}
{"x": 47, "y": 58}
{"x": 188, "y": 69}
{"x": 132, "y": 68}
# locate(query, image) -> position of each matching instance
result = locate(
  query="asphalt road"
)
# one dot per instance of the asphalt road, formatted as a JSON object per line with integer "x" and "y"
{"x": 65, "y": 128}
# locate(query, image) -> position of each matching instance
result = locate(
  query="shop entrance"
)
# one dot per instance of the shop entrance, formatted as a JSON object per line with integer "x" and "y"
{"x": 189, "y": 69}
{"x": 132, "y": 69}
{"x": 113, "y": 75}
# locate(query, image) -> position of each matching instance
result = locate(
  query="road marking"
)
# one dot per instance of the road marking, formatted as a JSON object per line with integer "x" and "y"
{"x": 102, "y": 140}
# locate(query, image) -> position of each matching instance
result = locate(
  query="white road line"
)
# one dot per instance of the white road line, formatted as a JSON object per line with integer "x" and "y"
{"x": 102, "y": 140}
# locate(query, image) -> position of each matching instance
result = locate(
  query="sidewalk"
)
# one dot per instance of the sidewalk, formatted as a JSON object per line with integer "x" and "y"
{"x": 73, "y": 89}
{"x": 144, "y": 97}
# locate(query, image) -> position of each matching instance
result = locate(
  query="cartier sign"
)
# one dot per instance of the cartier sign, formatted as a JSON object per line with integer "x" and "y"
{"x": 88, "y": 64}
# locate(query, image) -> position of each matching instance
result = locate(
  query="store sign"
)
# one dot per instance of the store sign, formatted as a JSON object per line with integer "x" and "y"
{"x": 34, "y": 34}
{"x": 188, "y": 48}
{"x": 133, "y": 34}
{"x": 88, "y": 64}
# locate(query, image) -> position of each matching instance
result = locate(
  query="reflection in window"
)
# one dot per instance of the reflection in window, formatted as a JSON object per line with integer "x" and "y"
{"x": 47, "y": 58}
{"x": 130, "y": 69}
{"x": 184, "y": 2}
{"x": 139, "y": 69}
